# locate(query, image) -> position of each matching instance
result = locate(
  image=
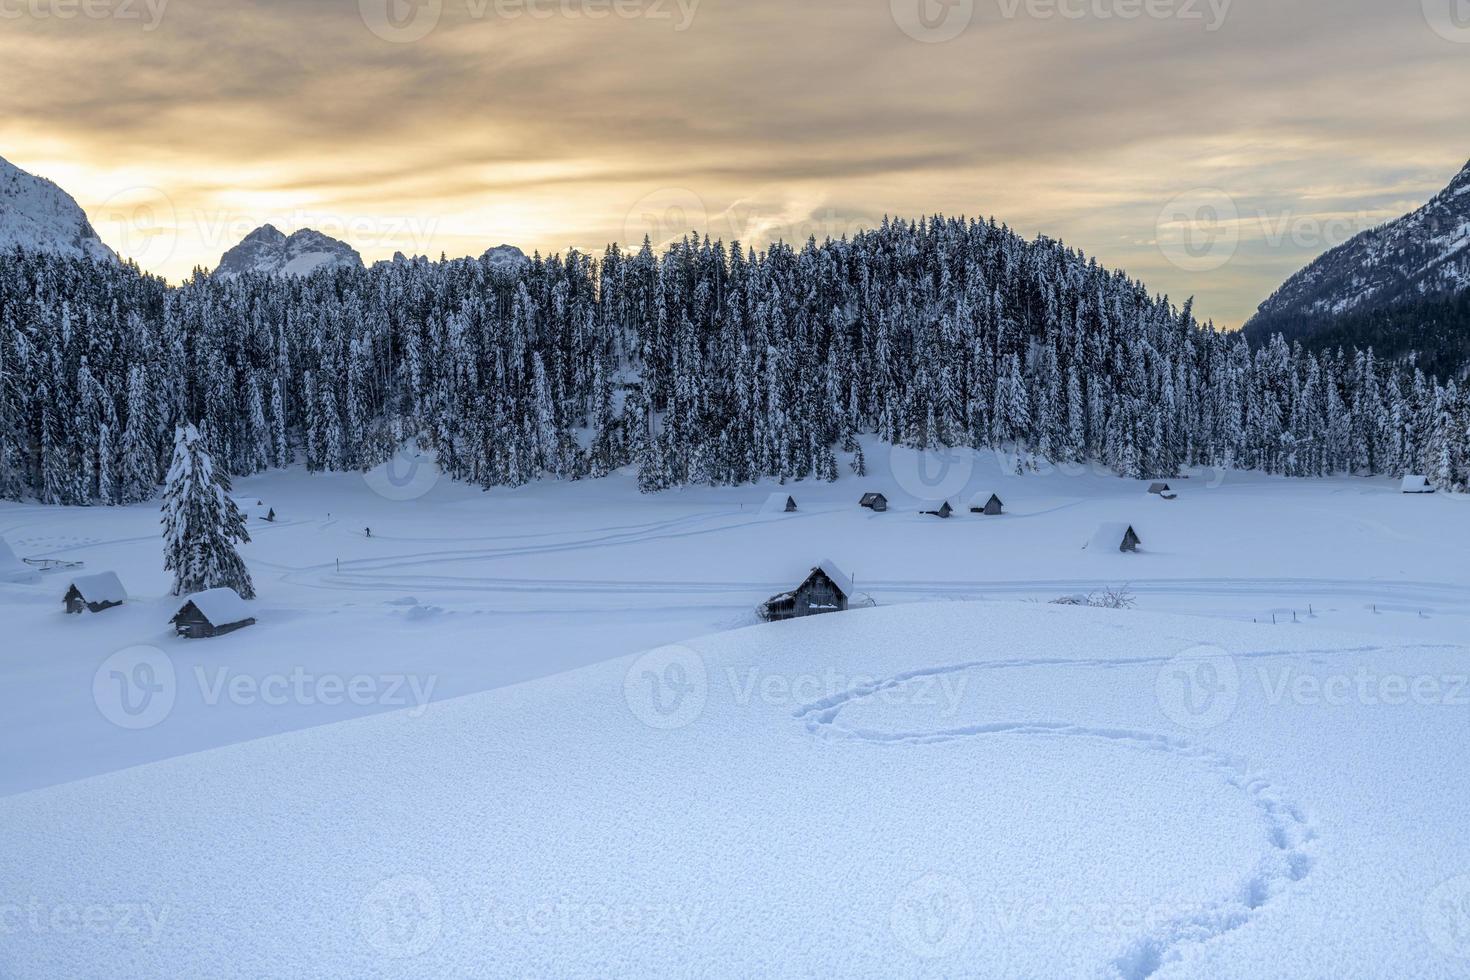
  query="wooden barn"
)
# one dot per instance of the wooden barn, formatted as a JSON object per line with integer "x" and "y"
{"x": 1114, "y": 537}
{"x": 779, "y": 503}
{"x": 990, "y": 507}
{"x": 875, "y": 502}
{"x": 214, "y": 612}
{"x": 825, "y": 590}
{"x": 94, "y": 593}
{"x": 941, "y": 510}
{"x": 1414, "y": 483}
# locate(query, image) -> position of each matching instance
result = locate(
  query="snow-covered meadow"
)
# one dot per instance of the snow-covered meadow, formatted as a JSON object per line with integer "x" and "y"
{"x": 586, "y": 759}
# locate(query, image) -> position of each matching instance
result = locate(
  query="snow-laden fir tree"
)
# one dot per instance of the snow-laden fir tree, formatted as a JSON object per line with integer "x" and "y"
{"x": 201, "y": 524}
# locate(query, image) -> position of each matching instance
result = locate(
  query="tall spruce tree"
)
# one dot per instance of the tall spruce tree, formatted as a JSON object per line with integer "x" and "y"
{"x": 201, "y": 524}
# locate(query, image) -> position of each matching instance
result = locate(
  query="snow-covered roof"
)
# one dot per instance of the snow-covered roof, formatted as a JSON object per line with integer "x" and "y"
{"x": 12, "y": 569}
{"x": 1414, "y": 483}
{"x": 101, "y": 587}
{"x": 776, "y": 503}
{"x": 220, "y": 606}
{"x": 839, "y": 578}
{"x": 1109, "y": 536}
{"x": 982, "y": 498}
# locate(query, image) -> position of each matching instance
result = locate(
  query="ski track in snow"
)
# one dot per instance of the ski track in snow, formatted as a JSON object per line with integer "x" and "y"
{"x": 1289, "y": 831}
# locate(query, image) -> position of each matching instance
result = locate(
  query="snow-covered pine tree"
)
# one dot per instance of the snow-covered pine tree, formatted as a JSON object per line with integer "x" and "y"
{"x": 201, "y": 524}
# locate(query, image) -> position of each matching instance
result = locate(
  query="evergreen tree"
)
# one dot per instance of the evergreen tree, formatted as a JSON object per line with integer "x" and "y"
{"x": 201, "y": 524}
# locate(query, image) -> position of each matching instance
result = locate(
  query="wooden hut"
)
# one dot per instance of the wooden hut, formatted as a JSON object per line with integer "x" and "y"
{"x": 826, "y": 589}
{"x": 214, "y": 612}
{"x": 875, "y": 502}
{"x": 942, "y": 510}
{"x": 94, "y": 593}
{"x": 779, "y": 503}
{"x": 1414, "y": 483}
{"x": 1113, "y": 537}
{"x": 1162, "y": 490}
{"x": 991, "y": 507}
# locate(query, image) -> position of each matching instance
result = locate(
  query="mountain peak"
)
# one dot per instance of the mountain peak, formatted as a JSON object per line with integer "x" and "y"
{"x": 1421, "y": 256}
{"x": 38, "y": 216}
{"x": 272, "y": 252}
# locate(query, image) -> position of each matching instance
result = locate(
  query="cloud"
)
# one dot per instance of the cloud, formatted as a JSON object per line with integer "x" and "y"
{"x": 1060, "y": 117}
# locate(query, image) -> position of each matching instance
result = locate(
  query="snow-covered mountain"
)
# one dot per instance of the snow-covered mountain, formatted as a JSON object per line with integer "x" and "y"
{"x": 1422, "y": 256}
{"x": 506, "y": 257}
{"x": 36, "y": 215}
{"x": 272, "y": 252}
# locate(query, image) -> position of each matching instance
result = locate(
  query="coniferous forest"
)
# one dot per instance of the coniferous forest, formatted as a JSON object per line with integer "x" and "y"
{"x": 706, "y": 364}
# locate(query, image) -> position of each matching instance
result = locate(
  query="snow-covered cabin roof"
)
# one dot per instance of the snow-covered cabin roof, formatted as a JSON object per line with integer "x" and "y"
{"x": 101, "y": 587}
{"x": 839, "y": 578}
{"x": 776, "y": 503}
{"x": 12, "y": 569}
{"x": 1109, "y": 536}
{"x": 982, "y": 498}
{"x": 1414, "y": 483}
{"x": 220, "y": 606}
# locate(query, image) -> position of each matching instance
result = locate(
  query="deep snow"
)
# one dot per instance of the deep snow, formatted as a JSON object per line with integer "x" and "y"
{"x": 932, "y": 787}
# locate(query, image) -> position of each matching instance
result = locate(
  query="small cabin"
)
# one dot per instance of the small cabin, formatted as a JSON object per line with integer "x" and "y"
{"x": 214, "y": 612}
{"x": 826, "y": 589}
{"x": 1162, "y": 490}
{"x": 943, "y": 510}
{"x": 1114, "y": 537}
{"x": 779, "y": 503}
{"x": 1414, "y": 483}
{"x": 94, "y": 593}
{"x": 990, "y": 507}
{"x": 875, "y": 502}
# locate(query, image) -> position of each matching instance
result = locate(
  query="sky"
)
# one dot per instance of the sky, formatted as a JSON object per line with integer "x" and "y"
{"x": 1208, "y": 147}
